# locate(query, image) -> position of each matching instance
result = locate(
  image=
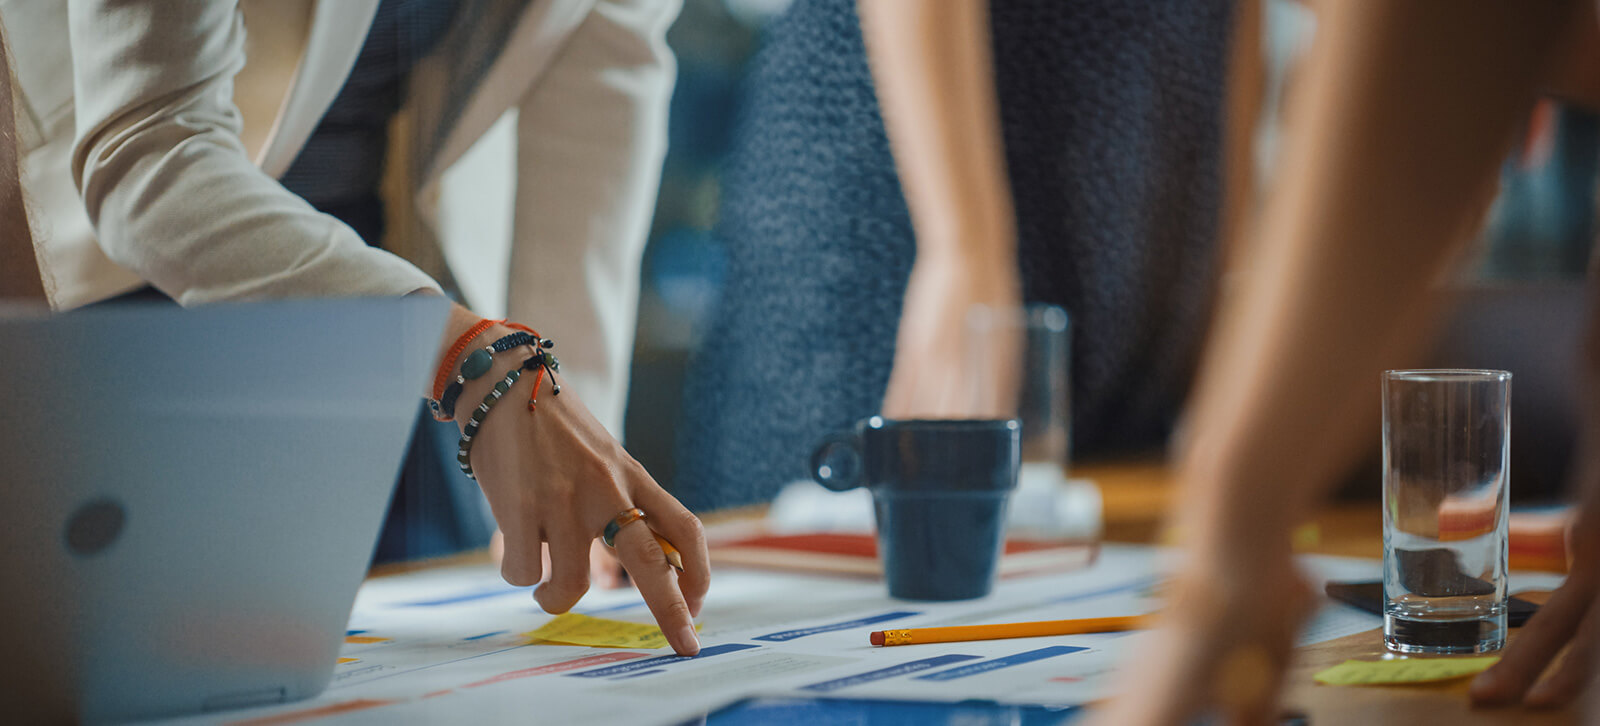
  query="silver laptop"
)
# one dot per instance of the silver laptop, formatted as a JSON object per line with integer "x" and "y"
{"x": 189, "y": 498}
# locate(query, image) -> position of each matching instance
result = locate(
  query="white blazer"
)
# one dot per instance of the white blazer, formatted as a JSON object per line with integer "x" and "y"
{"x": 145, "y": 164}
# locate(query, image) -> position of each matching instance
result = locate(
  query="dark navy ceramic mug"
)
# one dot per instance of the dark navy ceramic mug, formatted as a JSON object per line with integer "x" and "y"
{"x": 939, "y": 488}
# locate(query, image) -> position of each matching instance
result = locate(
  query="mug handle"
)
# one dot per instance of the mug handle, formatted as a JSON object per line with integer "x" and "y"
{"x": 827, "y": 475}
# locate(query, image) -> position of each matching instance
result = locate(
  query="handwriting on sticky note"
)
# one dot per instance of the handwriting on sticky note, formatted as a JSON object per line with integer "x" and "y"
{"x": 575, "y": 629}
{"x": 1403, "y": 670}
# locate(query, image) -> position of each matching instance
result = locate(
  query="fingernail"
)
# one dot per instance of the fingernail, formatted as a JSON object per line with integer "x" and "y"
{"x": 687, "y": 635}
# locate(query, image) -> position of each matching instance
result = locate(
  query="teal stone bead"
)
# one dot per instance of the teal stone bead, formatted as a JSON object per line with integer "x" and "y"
{"x": 502, "y": 387}
{"x": 476, "y": 364}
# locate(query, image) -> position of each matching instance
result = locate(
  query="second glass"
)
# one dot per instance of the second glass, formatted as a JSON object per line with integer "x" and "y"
{"x": 1446, "y": 445}
{"x": 1048, "y": 506}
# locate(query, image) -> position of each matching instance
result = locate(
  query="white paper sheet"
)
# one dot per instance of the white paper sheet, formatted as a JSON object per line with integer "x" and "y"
{"x": 452, "y": 646}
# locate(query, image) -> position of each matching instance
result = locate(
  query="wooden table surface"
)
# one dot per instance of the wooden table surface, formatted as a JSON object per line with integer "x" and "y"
{"x": 1136, "y": 496}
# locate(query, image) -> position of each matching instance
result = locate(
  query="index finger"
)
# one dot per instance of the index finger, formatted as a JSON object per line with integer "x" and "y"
{"x": 656, "y": 582}
{"x": 680, "y": 527}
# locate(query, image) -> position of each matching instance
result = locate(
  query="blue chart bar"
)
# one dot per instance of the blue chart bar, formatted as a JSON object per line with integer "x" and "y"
{"x": 995, "y": 664}
{"x": 890, "y": 672}
{"x": 467, "y": 597}
{"x": 640, "y": 673}
{"x": 649, "y": 663}
{"x": 803, "y": 632}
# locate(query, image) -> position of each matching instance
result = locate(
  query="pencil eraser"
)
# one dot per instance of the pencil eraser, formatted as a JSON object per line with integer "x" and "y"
{"x": 876, "y": 637}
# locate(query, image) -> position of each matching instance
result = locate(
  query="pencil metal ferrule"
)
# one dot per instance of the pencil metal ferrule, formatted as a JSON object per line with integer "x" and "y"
{"x": 897, "y": 637}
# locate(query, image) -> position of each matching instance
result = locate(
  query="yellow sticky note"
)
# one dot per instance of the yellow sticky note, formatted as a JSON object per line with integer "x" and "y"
{"x": 1403, "y": 670}
{"x": 575, "y": 629}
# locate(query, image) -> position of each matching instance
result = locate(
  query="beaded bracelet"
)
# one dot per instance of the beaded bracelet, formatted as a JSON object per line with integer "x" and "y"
{"x": 470, "y": 431}
{"x": 448, "y": 363}
{"x": 539, "y": 362}
{"x": 547, "y": 359}
{"x": 474, "y": 365}
{"x": 544, "y": 362}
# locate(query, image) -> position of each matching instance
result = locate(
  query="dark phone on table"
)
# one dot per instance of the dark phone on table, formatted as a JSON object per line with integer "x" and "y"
{"x": 1369, "y": 597}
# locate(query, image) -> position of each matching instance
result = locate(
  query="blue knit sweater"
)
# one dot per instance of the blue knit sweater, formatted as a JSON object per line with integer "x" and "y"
{"x": 1111, "y": 113}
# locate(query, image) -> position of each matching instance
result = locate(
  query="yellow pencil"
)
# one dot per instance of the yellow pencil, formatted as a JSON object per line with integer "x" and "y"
{"x": 1008, "y": 630}
{"x": 673, "y": 558}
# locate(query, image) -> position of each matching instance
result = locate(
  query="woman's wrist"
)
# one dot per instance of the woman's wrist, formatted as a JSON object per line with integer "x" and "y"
{"x": 520, "y": 357}
{"x": 986, "y": 245}
{"x": 460, "y": 321}
{"x": 472, "y": 390}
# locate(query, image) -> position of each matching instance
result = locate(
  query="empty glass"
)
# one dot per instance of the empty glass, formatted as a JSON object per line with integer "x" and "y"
{"x": 1047, "y": 504}
{"x": 1446, "y": 442}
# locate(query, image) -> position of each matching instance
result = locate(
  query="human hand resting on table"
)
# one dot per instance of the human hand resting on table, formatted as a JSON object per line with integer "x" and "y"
{"x": 1569, "y": 620}
{"x": 1222, "y": 642}
{"x": 1533, "y": 669}
{"x": 555, "y": 477}
{"x": 946, "y": 364}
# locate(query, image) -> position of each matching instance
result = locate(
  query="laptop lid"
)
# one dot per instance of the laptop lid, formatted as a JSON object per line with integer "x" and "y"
{"x": 191, "y": 497}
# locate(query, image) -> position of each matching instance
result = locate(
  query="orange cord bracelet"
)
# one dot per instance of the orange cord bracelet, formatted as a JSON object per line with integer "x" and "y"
{"x": 538, "y": 378}
{"x": 442, "y": 376}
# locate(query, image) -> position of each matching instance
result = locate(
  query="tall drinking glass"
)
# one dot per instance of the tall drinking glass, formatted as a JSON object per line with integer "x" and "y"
{"x": 1047, "y": 505}
{"x": 1446, "y": 442}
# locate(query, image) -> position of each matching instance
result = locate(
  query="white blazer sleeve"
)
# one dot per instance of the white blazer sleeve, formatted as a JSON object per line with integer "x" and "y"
{"x": 167, "y": 182}
{"x": 591, "y": 138}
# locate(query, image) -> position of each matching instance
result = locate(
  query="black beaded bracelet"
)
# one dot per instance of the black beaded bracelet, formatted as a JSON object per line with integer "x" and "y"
{"x": 477, "y": 362}
{"x": 474, "y": 365}
{"x": 470, "y": 431}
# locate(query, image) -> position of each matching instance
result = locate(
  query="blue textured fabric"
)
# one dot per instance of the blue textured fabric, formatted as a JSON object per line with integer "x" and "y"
{"x": 1111, "y": 113}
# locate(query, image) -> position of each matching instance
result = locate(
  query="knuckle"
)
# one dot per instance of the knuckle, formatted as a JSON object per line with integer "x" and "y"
{"x": 676, "y": 610}
{"x": 690, "y": 523}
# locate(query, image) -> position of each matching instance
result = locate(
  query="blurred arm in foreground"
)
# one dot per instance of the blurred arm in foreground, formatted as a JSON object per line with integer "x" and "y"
{"x": 1394, "y": 140}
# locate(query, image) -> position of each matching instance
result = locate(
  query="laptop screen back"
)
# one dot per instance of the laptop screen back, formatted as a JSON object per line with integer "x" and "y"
{"x": 191, "y": 496}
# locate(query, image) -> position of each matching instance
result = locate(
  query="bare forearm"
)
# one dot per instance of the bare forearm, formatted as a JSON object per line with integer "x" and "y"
{"x": 1406, "y": 111}
{"x": 931, "y": 64}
